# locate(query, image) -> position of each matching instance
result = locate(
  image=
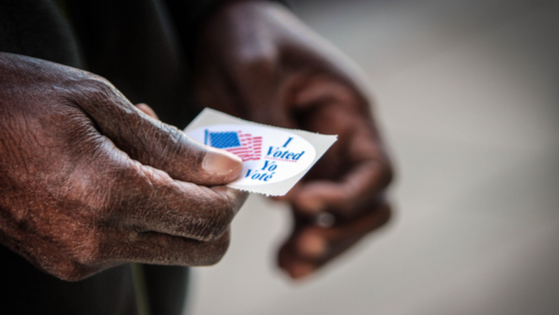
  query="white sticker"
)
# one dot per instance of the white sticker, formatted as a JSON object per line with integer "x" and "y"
{"x": 274, "y": 159}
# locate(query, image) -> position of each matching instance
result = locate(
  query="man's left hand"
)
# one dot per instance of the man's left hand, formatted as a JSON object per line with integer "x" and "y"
{"x": 256, "y": 60}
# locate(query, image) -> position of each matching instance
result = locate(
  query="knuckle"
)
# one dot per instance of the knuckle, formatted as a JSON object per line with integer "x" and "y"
{"x": 222, "y": 219}
{"x": 86, "y": 191}
{"x": 388, "y": 174}
{"x": 86, "y": 250}
{"x": 97, "y": 83}
{"x": 128, "y": 183}
{"x": 217, "y": 220}
{"x": 259, "y": 58}
{"x": 214, "y": 228}
{"x": 214, "y": 251}
{"x": 68, "y": 269}
{"x": 97, "y": 89}
{"x": 74, "y": 273}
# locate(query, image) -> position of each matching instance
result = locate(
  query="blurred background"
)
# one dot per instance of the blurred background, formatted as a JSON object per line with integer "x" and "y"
{"x": 467, "y": 95}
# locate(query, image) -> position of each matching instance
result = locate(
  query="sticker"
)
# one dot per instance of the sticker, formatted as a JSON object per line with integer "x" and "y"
{"x": 274, "y": 159}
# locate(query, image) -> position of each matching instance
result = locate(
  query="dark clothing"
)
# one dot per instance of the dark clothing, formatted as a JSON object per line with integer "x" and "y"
{"x": 145, "y": 54}
{"x": 144, "y": 47}
{"x": 26, "y": 290}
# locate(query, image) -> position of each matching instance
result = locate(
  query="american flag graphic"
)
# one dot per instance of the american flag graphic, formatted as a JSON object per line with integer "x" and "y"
{"x": 241, "y": 144}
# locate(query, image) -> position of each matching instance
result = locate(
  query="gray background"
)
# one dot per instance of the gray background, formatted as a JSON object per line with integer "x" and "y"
{"x": 466, "y": 92}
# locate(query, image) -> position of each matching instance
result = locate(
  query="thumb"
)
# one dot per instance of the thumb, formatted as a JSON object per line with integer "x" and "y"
{"x": 154, "y": 143}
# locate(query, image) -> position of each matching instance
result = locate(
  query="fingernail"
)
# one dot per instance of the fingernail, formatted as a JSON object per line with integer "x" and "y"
{"x": 312, "y": 245}
{"x": 221, "y": 162}
{"x": 300, "y": 270}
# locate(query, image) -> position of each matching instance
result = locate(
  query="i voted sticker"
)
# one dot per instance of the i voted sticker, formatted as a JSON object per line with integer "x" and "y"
{"x": 268, "y": 155}
{"x": 274, "y": 159}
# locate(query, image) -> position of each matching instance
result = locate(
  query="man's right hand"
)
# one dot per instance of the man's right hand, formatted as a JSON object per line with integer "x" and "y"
{"x": 87, "y": 181}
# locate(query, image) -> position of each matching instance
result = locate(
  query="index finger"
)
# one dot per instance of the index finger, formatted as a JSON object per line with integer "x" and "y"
{"x": 364, "y": 166}
{"x": 139, "y": 197}
{"x": 160, "y": 204}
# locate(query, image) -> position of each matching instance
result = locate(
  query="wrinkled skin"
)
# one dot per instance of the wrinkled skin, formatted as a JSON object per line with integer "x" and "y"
{"x": 88, "y": 181}
{"x": 257, "y": 61}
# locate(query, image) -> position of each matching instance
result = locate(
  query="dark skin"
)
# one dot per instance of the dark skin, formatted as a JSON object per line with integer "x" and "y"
{"x": 256, "y": 60}
{"x": 89, "y": 181}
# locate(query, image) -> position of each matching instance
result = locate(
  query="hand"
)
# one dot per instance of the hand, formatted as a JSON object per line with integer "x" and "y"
{"x": 87, "y": 181}
{"x": 256, "y": 60}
